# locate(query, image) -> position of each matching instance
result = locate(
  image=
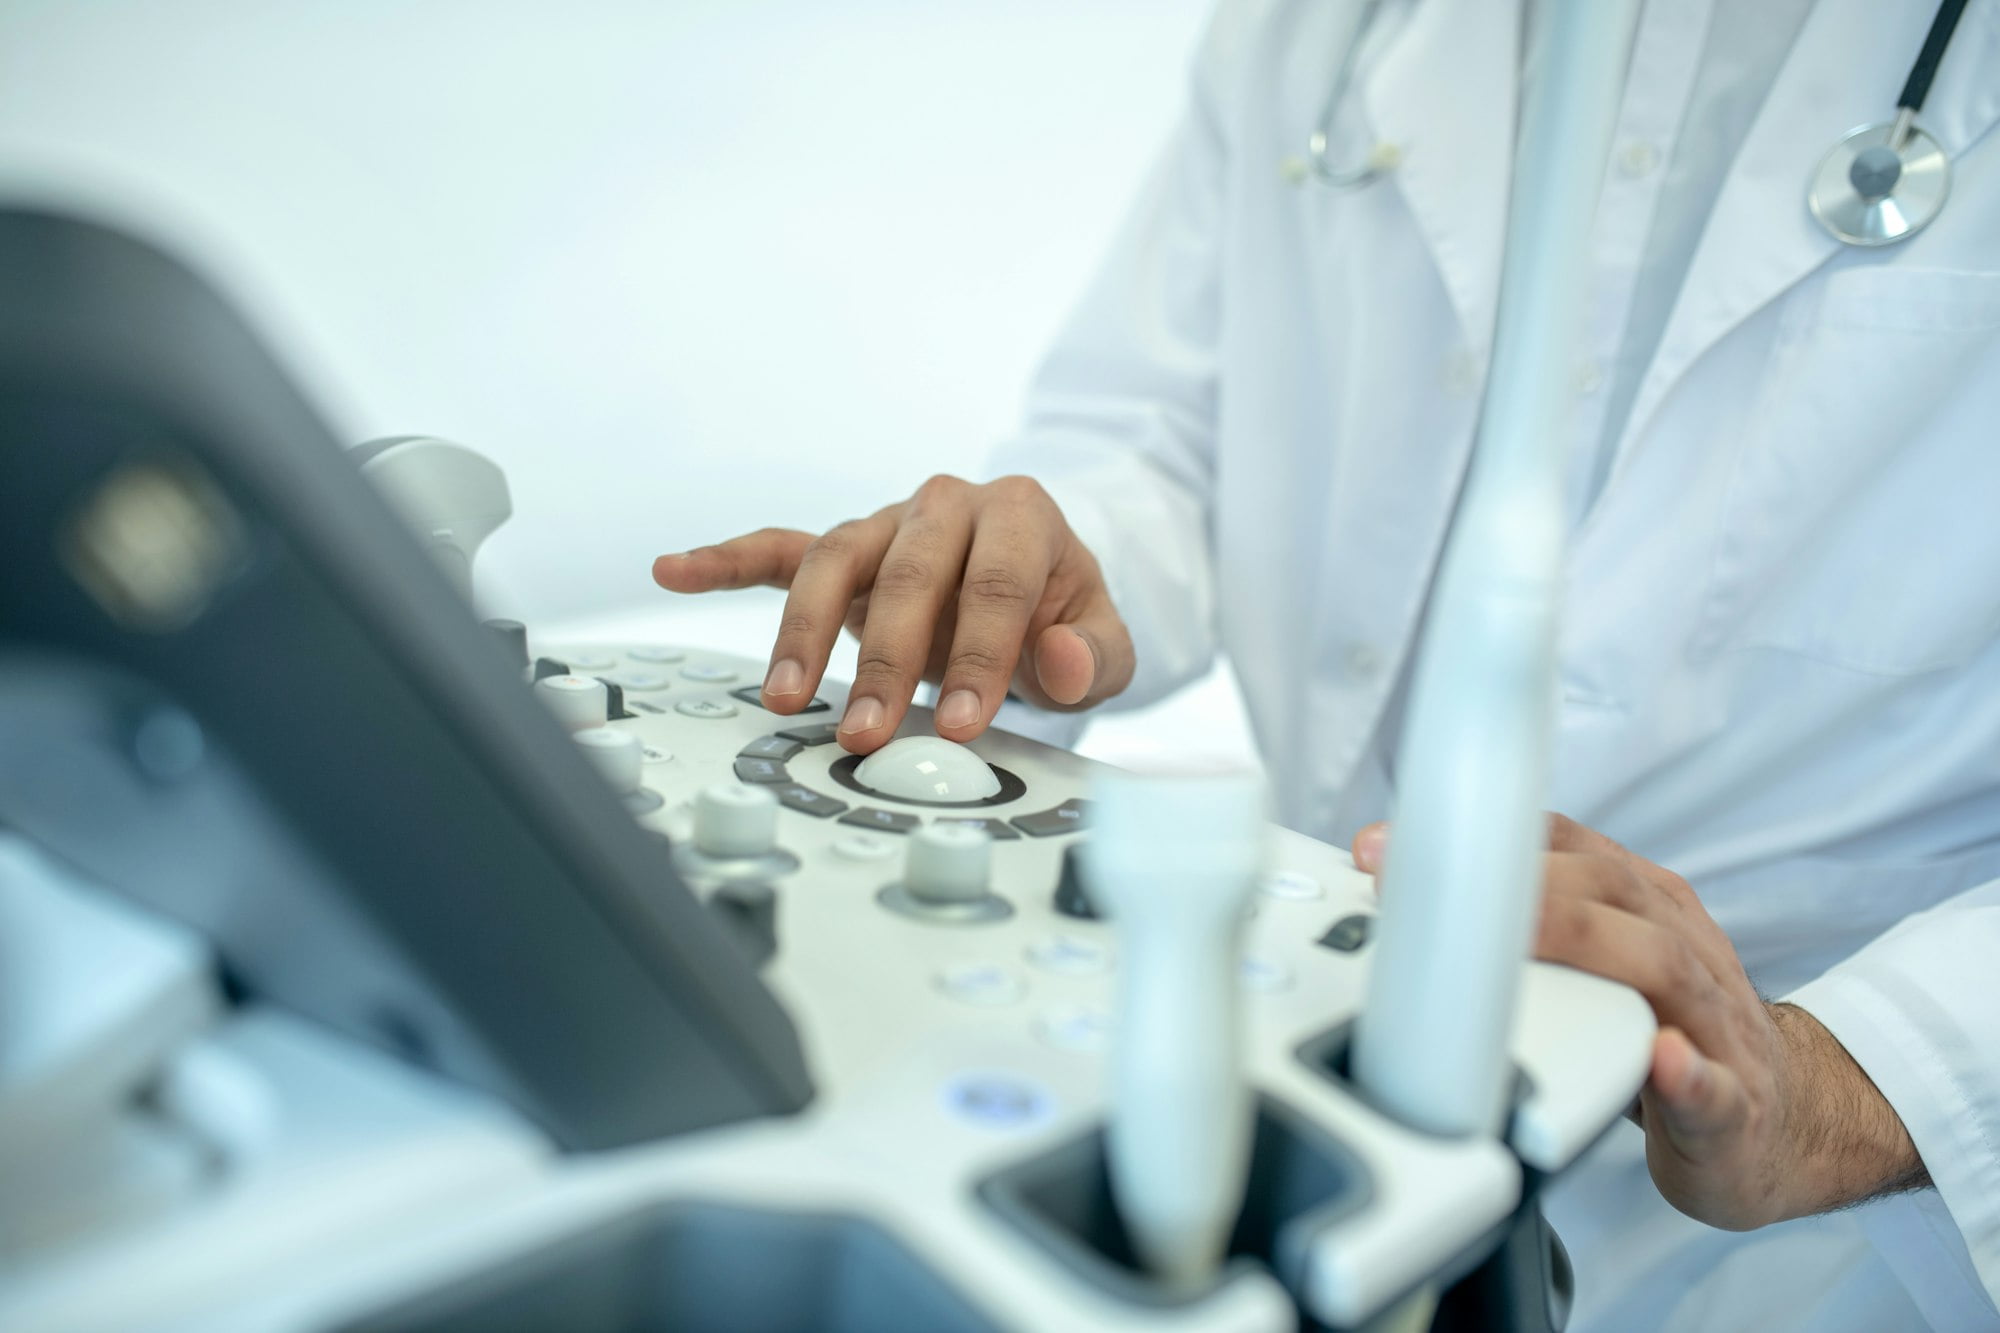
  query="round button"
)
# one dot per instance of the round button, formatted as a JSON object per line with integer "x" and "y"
{"x": 577, "y": 701}
{"x": 616, "y": 754}
{"x": 948, "y": 863}
{"x": 1264, "y": 975}
{"x": 644, "y": 680}
{"x": 708, "y": 673}
{"x": 656, "y": 653}
{"x": 1362, "y": 660}
{"x": 655, "y": 755}
{"x": 864, "y": 847}
{"x": 996, "y": 1101}
{"x": 710, "y": 709}
{"x": 1074, "y": 1028}
{"x": 733, "y": 819}
{"x": 980, "y": 983}
{"x": 1589, "y": 378}
{"x": 590, "y": 662}
{"x": 1070, "y": 956}
{"x": 1291, "y": 885}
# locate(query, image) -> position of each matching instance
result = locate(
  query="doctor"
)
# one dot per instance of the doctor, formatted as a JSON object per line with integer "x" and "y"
{"x": 1781, "y": 656}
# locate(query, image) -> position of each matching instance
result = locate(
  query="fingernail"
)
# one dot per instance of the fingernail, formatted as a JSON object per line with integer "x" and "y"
{"x": 862, "y": 715}
{"x": 1369, "y": 847}
{"x": 787, "y": 677}
{"x": 959, "y": 709}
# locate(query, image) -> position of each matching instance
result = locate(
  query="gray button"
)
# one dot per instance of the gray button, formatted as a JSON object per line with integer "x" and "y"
{"x": 770, "y": 747}
{"x": 1349, "y": 933}
{"x": 754, "y": 694}
{"x": 708, "y": 673}
{"x": 997, "y": 829}
{"x": 815, "y": 733}
{"x": 882, "y": 821}
{"x": 656, "y": 653}
{"x": 706, "y": 708}
{"x": 591, "y": 662}
{"x": 644, "y": 680}
{"x": 1068, "y": 817}
{"x": 807, "y": 801}
{"x": 749, "y": 769}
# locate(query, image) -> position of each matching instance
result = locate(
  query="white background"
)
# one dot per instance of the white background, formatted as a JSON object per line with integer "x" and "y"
{"x": 682, "y": 269}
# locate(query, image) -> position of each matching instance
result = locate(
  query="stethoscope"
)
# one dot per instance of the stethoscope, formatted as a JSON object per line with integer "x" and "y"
{"x": 1880, "y": 184}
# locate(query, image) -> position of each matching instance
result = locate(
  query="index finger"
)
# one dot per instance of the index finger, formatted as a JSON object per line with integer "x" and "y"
{"x": 765, "y": 558}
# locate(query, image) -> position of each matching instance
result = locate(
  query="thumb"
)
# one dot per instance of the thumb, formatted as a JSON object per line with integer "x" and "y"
{"x": 1689, "y": 1096}
{"x": 1371, "y": 844}
{"x": 1086, "y": 660}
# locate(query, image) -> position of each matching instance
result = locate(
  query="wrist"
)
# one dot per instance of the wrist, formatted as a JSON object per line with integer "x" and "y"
{"x": 1842, "y": 1142}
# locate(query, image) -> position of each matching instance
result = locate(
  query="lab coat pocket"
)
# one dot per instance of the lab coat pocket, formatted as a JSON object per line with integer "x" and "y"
{"x": 1862, "y": 522}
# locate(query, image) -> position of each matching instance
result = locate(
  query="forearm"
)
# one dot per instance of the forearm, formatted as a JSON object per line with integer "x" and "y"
{"x": 1847, "y": 1143}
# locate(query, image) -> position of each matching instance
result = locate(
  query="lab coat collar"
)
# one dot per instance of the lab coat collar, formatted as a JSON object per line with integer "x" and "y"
{"x": 1844, "y": 70}
{"x": 1452, "y": 55}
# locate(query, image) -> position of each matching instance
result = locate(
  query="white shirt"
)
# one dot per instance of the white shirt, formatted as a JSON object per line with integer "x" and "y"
{"x": 1780, "y": 662}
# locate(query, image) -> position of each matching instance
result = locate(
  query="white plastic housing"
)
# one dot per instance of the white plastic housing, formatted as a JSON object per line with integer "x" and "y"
{"x": 1173, "y": 862}
{"x": 733, "y": 819}
{"x": 1464, "y": 864}
{"x": 450, "y": 496}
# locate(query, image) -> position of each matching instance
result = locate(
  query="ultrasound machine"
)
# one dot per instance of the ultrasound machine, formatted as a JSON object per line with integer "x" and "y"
{"x": 367, "y": 967}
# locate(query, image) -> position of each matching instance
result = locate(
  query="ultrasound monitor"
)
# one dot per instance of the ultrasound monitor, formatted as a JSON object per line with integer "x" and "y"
{"x": 233, "y": 687}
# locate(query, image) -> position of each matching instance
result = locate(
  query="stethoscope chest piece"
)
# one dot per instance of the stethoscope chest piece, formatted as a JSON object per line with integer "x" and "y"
{"x": 1872, "y": 190}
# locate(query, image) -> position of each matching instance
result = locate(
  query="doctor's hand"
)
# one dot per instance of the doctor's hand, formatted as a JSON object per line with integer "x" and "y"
{"x": 1753, "y": 1112}
{"x": 980, "y": 588}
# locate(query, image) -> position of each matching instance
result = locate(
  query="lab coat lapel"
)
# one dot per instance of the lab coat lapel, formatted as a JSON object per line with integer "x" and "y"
{"x": 1444, "y": 94}
{"x": 1845, "y": 70}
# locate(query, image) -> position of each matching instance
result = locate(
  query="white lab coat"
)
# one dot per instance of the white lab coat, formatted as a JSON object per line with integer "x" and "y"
{"x": 1781, "y": 650}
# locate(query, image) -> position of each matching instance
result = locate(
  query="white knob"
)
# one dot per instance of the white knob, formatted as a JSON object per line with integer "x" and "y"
{"x": 735, "y": 819}
{"x": 616, "y": 754}
{"x": 577, "y": 701}
{"x": 948, "y": 863}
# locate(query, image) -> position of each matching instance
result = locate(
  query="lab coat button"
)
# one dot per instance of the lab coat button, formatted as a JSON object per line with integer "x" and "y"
{"x": 1362, "y": 660}
{"x": 1461, "y": 375}
{"x": 1589, "y": 378}
{"x": 1638, "y": 158}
